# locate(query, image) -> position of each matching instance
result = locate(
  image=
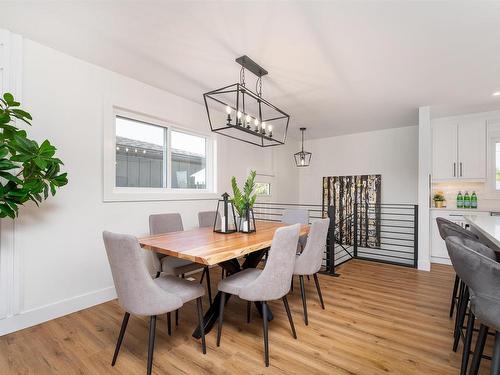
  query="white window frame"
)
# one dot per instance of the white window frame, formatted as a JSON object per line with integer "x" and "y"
{"x": 114, "y": 193}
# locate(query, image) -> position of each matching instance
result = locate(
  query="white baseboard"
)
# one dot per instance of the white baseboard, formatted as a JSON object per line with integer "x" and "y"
{"x": 441, "y": 260}
{"x": 29, "y": 318}
{"x": 424, "y": 265}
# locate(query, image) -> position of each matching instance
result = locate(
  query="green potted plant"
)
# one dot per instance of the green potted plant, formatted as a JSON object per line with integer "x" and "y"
{"x": 439, "y": 200}
{"x": 244, "y": 201}
{"x": 28, "y": 171}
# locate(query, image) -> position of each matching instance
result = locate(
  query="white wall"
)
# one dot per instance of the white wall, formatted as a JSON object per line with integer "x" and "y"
{"x": 393, "y": 153}
{"x": 63, "y": 262}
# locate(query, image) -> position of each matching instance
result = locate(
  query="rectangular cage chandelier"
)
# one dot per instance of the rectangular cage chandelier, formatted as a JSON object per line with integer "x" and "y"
{"x": 237, "y": 112}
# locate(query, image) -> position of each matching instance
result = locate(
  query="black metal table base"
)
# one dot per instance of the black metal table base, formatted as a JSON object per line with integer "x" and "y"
{"x": 231, "y": 267}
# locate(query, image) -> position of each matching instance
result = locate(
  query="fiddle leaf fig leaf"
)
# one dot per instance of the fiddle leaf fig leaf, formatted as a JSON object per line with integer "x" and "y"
{"x": 28, "y": 171}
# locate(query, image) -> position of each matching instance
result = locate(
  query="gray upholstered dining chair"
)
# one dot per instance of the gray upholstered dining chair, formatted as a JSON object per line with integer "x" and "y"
{"x": 168, "y": 223}
{"x": 476, "y": 265}
{"x": 140, "y": 294}
{"x": 296, "y": 216}
{"x": 449, "y": 228}
{"x": 309, "y": 261}
{"x": 206, "y": 218}
{"x": 271, "y": 283}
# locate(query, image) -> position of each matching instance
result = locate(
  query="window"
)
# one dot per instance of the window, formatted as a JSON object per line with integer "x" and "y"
{"x": 140, "y": 151}
{"x": 153, "y": 158}
{"x": 263, "y": 188}
{"x": 188, "y": 161}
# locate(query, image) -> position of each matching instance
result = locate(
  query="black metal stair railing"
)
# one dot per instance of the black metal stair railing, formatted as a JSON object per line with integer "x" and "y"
{"x": 385, "y": 233}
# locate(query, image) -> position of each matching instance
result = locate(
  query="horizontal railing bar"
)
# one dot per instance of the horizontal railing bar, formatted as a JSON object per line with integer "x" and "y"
{"x": 391, "y": 232}
{"x": 291, "y": 204}
{"x": 393, "y": 214}
{"x": 389, "y": 256}
{"x": 399, "y": 220}
{"x": 398, "y": 239}
{"x": 385, "y": 204}
{"x": 281, "y": 208}
{"x": 387, "y": 262}
{"x": 389, "y": 250}
{"x": 395, "y": 226}
{"x": 395, "y": 244}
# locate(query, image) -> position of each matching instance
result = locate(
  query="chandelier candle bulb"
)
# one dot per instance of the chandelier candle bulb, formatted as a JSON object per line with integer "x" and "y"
{"x": 238, "y": 115}
{"x": 263, "y": 128}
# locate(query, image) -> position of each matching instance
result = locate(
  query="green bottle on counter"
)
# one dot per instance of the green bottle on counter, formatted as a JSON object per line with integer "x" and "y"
{"x": 466, "y": 200}
{"x": 473, "y": 200}
{"x": 460, "y": 200}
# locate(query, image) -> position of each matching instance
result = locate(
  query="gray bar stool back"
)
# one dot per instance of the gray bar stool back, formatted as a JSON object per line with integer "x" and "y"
{"x": 477, "y": 267}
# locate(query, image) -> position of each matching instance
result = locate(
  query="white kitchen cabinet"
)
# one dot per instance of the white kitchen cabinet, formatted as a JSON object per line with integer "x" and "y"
{"x": 459, "y": 149}
{"x": 444, "y": 150}
{"x": 471, "y": 149}
{"x": 439, "y": 254}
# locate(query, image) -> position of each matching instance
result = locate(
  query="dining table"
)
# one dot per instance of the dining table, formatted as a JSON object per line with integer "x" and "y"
{"x": 233, "y": 252}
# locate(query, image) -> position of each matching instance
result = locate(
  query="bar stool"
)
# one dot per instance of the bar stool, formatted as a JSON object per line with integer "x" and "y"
{"x": 453, "y": 229}
{"x": 481, "y": 273}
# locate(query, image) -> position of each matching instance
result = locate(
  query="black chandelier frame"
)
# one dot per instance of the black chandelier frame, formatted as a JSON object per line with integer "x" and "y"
{"x": 263, "y": 137}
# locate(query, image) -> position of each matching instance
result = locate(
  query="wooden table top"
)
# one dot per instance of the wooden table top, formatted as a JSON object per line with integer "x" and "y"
{"x": 204, "y": 246}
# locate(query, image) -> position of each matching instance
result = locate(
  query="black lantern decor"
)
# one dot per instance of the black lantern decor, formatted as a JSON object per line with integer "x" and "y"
{"x": 240, "y": 113}
{"x": 302, "y": 158}
{"x": 247, "y": 221}
{"x": 225, "y": 218}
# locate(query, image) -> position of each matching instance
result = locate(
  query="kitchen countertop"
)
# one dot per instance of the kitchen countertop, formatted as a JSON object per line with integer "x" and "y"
{"x": 488, "y": 226}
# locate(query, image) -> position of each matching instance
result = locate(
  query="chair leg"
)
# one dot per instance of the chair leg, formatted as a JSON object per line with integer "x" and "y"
{"x": 467, "y": 343}
{"x": 221, "y": 316}
{"x": 151, "y": 347}
{"x": 120, "y": 337}
{"x": 249, "y": 306}
{"x": 478, "y": 351}
{"x": 316, "y": 281}
{"x": 265, "y": 324}
{"x": 199, "y": 306}
{"x": 304, "y": 302}
{"x": 454, "y": 296}
{"x": 461, "y": 317}
{"x": 495, "y": 361}
{"x": 291, "y": 285}
{"x": 176, "y": 317}
{"x": 308, "y": 279}
{"x": 209, "y": 285}
{"x": 169, "y": 324}
{"x": 290, "y": 319}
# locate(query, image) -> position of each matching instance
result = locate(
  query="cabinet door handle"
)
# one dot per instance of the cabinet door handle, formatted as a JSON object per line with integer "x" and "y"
{"x": 454, "y": 169}
{"x": 460, "y": 169}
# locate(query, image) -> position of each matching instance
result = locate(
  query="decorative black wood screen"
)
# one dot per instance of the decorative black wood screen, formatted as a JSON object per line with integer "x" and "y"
{"x": 350, "y": 193}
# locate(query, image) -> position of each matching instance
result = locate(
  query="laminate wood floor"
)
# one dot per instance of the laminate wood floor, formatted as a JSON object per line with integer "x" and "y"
{"x": 379, "y": 319}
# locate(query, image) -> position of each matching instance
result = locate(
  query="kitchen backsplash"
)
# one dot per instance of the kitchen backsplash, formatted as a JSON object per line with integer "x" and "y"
{"x": 451, "y": 189}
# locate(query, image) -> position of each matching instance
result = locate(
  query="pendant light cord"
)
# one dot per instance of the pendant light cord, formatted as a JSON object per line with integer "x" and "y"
{"x": 302, "y": 140}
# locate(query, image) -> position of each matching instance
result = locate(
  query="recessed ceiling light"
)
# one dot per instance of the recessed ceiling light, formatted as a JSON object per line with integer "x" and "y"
{"x": 496, "y": 93}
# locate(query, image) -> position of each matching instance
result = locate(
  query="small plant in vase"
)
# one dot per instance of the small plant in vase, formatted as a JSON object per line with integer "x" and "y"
{"x": 244, "y": 201}
{"x": 439, "y": 200}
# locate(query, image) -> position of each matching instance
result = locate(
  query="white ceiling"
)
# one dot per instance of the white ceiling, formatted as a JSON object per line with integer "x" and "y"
{"x": 336, "y": 67}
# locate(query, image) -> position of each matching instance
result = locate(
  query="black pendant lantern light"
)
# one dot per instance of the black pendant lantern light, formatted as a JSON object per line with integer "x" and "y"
{"x": 237, "y": 112}
{"x": 302, "y": 158}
